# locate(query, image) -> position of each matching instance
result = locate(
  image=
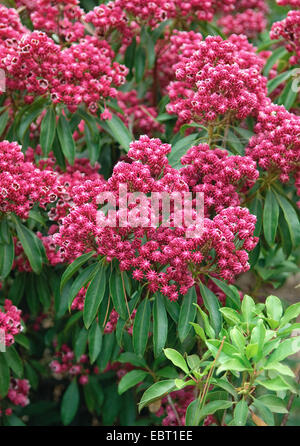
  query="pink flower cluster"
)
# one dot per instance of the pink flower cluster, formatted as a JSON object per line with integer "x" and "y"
{"x": 22, "y": 184}
{"x": 18, "y": 392}
{"x": 65, "y": 365}
{"x": 289, "y": 29}
{"x": 111, "y": 325}
{"x": 276, "y": 144}
{"x": 109, "y": 17}
{"x": 10, "y": 24}
{"x": 176, "y": 47}
{"x": 60, "y": 18}
{"x": 222, "y": 178}
{"x": 218, "y": 80}
{"x": 163, "y": 256}
{"x": 248, "y": 22}
{"x": 10, "y": 322}
{"x": 82, "y": 73}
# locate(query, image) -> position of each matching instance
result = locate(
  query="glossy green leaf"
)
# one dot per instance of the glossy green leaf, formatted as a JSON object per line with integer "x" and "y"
{"x": 141, "y": 327}
{"x": 156, "y": 391}
{"x": 187, "y": 313}
{"x": 95, "y": 341}
{"x": 70, "y": 403}
{"x": 94, "y": 296}
{"x": 47, "y": 134}
{"x": 66, "y": 139}
{"x": 177, "y": 359}
{"x": 160, "y": 324}
{"x": 212, "y": 304}
{"x": 270, "y": 217}
{"x": 131, "y": 379}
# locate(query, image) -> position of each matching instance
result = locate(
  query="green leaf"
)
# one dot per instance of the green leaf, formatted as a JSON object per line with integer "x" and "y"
{"x": 212, "y": 304}
{"x": 71, "y": 270}
{"x": 139, "y": 63}
{"x": 193, "y": 362}
{"x": 95, "y": 341}
{"x": 193, "y": 415}
{"x": 275, "y": 404}
{"x": 14, "y": 361}
{"x": 70, "y": 403}
{"x": 81, "y": 281}
{"x": 80, "y": 344}
{"x": 209, "y": 331}
{"x": 280, "y": 369}
{"x": 131, "y": 379}
{"x": 291, "y": 219}
{"x": 179, "y": 149}
{"x": 187, "y": 313}
{"x": 32, "y": 246}
{"x": 4, "y": 376}
{"x": 238, "y": 339}
{"x": 3, "y": 121}
{"x": 285, "y": 236}
{"x": 160, "y": 325}
{"x": 233, "y": 364}
{"x": 94, "y": 296}
{"x": 276, "y": 81}
{"x": 7, "y": 254}
{"x": 288, "y": 95}
{"x": 156, "y": 391}
{"x": 133, "y": 359}
{"x": 240, "y": 413}
{"x": 119, "y": 132}
{"x": 225, "y": 385}
{"x": 270, "y": 218}
{"x": 177, "y": 359}
{"x": 199, "y": 331}
{"x": 274, "y": 307}
{"x": 292, "y": 312}
{"x": 213, "y": 406}
{"x": 277, "y": 384}
{"x": 231, "y": 292}
{"x": 258, "y": 336}
{"x": 141, "y": 327}
{"x": 47, "y": 134}
{"x": 277, "y": 54}
{"x": 248, "y": 308}
{"x": 30, "y": 114}
{"x": 251, "y": 350}
{"x": 118, "y": 294}
{"x": 286, "y": 348}
{"x": 66, "y": 139}
{"x": 231, "y": 316}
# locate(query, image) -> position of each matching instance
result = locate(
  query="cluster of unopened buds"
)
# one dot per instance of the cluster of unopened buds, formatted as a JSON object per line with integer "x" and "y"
{"x": 219, "y": 80}
{"x": 111, "y": 325}
{"x": 289, "y": 30}
{"x": 10, "y": 322}
{"x": 229, "y": 233}
{"x": 65, "y": 365}
{"x": 17, "y": 395}
{"x": 276, "y": 144}
{"x": 22, "y": 184}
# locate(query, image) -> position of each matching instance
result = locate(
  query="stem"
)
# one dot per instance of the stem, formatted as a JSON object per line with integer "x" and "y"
{"x": 174, "y": 409}
{"x": 291, "y": 400}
